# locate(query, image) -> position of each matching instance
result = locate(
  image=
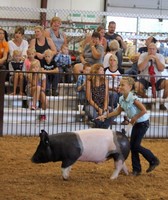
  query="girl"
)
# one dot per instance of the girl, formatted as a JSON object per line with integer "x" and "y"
{"x": 31, "y": 52}
{"x": 136, "y": 111}
{"x": 36, "y": 85}
{"x": 17, "y": 64}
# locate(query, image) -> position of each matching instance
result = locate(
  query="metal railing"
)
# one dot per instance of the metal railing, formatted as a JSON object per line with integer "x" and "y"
{"x": 63, "y": 113}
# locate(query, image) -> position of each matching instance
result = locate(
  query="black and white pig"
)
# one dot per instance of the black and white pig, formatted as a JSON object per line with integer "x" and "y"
{"x": 90, "y": 145}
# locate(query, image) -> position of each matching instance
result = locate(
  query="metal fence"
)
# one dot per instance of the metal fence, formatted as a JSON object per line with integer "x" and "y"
{"x": 64, "y": 113}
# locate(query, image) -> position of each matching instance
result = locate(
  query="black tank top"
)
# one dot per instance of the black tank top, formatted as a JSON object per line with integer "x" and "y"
{"x": 41, "y": 49}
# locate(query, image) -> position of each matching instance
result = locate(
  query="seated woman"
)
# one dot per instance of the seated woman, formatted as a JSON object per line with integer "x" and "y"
{"x": 18, "y": 43}
{"x": 97, "y": 96}
{"x": 92, "y": 53}
{"x": 4, "y": 49}
{"x": 103, "y": 41}
{"x": 41, "y": 43}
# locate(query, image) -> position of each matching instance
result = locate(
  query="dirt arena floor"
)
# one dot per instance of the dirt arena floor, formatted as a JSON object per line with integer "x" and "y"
{"x": 22, "y": 180}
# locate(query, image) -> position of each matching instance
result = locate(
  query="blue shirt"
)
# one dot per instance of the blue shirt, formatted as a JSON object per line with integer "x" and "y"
{"x": 80, "y": 81}
{"x": 63, "y": 60}
{"x": 130, "y": 108}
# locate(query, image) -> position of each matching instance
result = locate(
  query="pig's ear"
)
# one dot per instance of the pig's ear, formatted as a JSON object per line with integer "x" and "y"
{"x": 44, "y": 137}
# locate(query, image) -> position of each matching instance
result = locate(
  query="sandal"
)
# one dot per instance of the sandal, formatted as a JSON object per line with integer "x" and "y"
{"x": 12, "y": 93}
{"x": 126, "y": 121}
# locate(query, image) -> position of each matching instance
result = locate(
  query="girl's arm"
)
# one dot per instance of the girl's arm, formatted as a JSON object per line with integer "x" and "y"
{"x": 80, "y": 86}
{"x": 43, "y": 84}
{"x": 34, "y": 80}
{"x": 56, "y": 70}
{"x": 141, "y": 108}
{"x": 116, "y": 112}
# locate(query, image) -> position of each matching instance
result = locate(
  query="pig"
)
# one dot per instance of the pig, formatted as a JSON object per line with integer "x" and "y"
{"x": 90, "y": 145}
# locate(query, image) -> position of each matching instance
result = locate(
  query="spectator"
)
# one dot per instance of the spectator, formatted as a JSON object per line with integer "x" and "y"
{"x": 111, "y": 35}
{"x": 18, "y": 43}
{"x": 97, "y": 95}
{"x": 103, "y": 41}
{"x": 114, "y": 76}
{"x": 93, "y": 52}
{"x": 59, "y": 38}
{"x": 41, "y": 43}
{"x": 134, "y": 68}
{"x": 159, "y": 65}
{"x": 148, "y": 41}
{"x": 134, "y": 58}
{"x": 31, "y": 53}
{"x": 17, "y": 64}
{"x": 82, "y": 44}
{"x": 63, "y": 62}
{"x": 49, "y": 67}
{"x": 114, "y": 47}
{"x": 4, "y": 49}
{"x": 81, "y": 84}
{"x": 36, "y": 86}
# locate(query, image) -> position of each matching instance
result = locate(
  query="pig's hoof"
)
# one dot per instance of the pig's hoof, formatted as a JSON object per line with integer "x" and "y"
{"x": 65, "y": 178}
{"x": 113, "y": 177}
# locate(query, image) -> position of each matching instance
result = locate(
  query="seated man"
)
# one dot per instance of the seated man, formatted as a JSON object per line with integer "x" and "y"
{"x": 148, "y": 41}
{"x": 135, "y": 57}
{"x": 143, "y": 66}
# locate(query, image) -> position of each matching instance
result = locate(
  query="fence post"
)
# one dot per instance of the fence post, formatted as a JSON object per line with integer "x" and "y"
{"x": 2, "y": 92}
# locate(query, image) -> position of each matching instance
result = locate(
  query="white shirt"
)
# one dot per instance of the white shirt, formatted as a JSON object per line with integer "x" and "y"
{"x": 114, "y": 79}
{"x": 23, "y": 47}
{"x": 145, "y": 71}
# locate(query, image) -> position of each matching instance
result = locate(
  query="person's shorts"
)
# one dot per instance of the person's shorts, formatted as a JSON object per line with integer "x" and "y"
{"x": 147, "y": 84}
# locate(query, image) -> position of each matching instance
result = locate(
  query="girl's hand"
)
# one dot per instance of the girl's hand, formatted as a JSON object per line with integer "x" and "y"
{"x": 101, "y": 118}
{"x": 133, "y": 120}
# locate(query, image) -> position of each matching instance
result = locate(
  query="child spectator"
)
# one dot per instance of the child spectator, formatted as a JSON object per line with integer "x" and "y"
{"x": 51, "y": 70}
{"x": 114, "y": 76}
{"x": 17, "y": 64}
{"x": 36, "y": 85}
{"x": 81, "y": 84}
{"x": 31, "y": 53}
{"x": 63, "y": 62}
